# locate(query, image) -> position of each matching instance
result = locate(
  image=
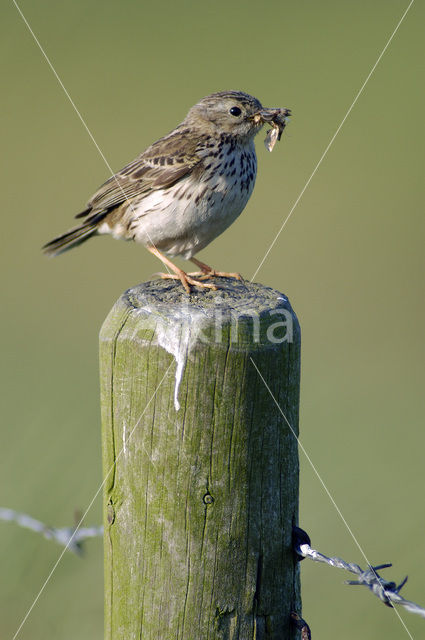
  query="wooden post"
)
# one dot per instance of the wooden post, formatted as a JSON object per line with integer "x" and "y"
{"x": 200, "y": 465}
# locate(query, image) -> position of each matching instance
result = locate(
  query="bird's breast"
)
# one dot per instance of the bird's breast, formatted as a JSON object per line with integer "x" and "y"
{"x": 186, "y": 217}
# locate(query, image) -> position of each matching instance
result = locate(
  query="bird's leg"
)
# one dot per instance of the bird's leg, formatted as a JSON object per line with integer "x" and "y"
{"x": 209, "y": 272}
{"x": 179, "y": 274}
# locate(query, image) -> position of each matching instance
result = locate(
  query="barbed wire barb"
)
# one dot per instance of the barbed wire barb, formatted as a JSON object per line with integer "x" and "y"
{"x": 387, "y": 591}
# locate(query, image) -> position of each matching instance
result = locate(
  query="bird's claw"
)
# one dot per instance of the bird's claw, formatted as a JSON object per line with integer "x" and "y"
{"x": 187, "y": 280}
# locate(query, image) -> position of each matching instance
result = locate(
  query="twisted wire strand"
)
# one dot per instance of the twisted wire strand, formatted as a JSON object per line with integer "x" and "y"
{"x": 65, "y": 536}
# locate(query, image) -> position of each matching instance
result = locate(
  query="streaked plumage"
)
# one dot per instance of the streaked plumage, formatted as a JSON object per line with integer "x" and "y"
{"x": 186, "y": 188}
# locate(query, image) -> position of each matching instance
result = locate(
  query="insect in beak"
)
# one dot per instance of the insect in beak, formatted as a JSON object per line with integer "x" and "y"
{"x": 278, "y": 118}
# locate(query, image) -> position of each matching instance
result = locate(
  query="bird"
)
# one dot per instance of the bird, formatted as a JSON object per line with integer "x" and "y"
{"x": 185, "y": 189}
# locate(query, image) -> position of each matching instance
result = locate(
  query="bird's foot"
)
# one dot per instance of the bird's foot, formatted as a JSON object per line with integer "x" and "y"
{"x": 220, "y": 274}
{"x": 208, "y": 272}
{"x": 187, "y": 280}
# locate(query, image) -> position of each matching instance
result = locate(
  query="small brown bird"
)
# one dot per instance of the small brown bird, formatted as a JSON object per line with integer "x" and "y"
{"x": 186, "y": 188}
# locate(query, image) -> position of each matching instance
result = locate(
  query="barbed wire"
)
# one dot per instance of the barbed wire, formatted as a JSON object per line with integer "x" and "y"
{"x": 65, "y": 536}
{"x": 387, "y": 591}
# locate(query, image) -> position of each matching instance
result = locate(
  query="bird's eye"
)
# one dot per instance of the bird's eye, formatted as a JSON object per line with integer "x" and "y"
{"x": 235, "y": 111}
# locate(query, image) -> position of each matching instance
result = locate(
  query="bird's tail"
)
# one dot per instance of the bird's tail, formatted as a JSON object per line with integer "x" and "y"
{"x": 71, "y": 238}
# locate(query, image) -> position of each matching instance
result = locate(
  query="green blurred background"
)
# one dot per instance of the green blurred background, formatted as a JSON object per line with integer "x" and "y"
{"x": 350, "y": 259}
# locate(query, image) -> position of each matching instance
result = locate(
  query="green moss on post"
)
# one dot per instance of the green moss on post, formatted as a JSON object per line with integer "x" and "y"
{"x": 200, "y": 466}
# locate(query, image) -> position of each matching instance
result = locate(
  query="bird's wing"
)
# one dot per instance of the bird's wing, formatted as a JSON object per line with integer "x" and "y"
{"x": 160, "y": 166}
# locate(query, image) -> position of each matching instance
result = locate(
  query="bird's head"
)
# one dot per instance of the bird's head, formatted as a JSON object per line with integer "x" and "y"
{"x": 232, "y": 112}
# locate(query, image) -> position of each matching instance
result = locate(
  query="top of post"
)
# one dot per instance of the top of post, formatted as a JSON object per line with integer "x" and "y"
{"x": 233, "y": 295}
{"x": 239, "y": 315}
{"x": 250, "y": 314}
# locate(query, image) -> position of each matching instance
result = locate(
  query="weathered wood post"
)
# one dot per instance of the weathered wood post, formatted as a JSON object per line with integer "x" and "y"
{"x": 200, "y": 465}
